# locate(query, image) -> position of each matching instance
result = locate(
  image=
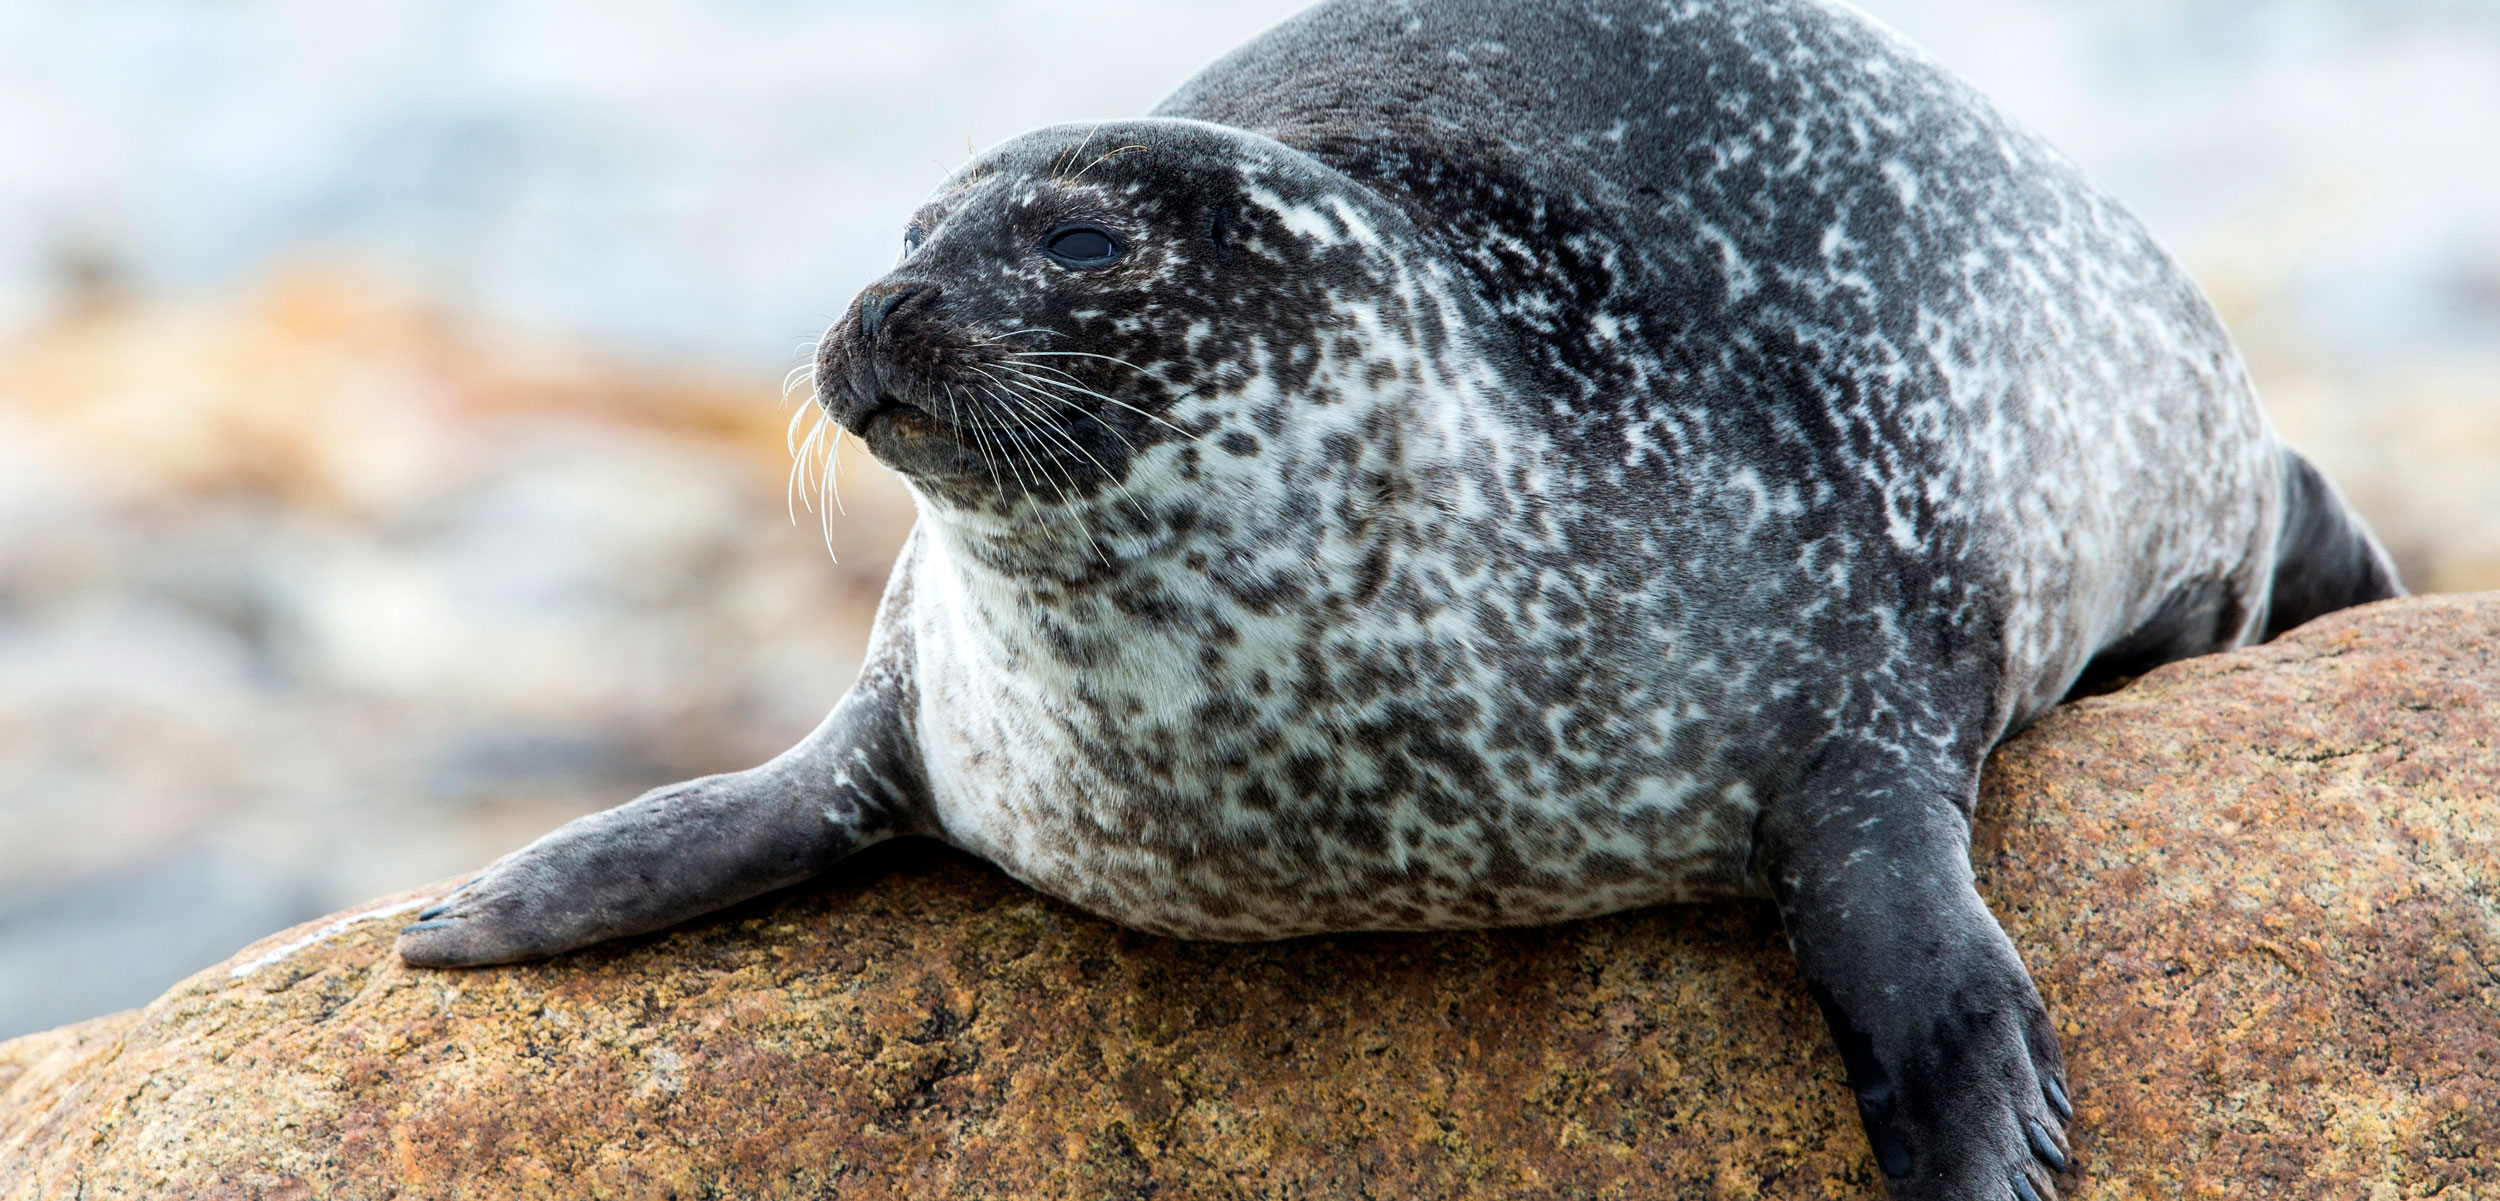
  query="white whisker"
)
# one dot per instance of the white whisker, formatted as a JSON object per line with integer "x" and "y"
{"x": 790, "y": 436}
{"x": 799, "y": 460}
{"x": 1084, "y": 354}
{"x": 1041, "y": 423}
{"x": 1026, "y": 383}
{"x": 833, "y": 467}
{"x": 1113, "y": 400}
{"x": 1067, "y": 502}
{"x": 955, "y": 407}
{"x": 803, "y": 373}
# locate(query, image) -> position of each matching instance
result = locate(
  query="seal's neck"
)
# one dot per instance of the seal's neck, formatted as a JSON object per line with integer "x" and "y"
{"x": 1206, "y": 570}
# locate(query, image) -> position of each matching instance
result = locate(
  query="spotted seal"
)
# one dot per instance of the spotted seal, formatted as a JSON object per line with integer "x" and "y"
{"x": 1483, "y": 462}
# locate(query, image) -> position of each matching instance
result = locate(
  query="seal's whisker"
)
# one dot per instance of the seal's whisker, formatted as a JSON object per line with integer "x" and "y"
{"x": 1008, "y": 446}
{"x": 824, "y": 518}
{"x": 1067, "y": 502}
{"x": 1031, "y": 371}
{"x": 1027, "y": 359}
{"x": 1006, "y": 438}
{"x": 1084, "y": 354}
{"x": 1036, "y": 397}
{"x": 1082, "y": 390}
{"x": 816, "y": 462}
{"x": 808, "y": 350}
{"x": 997, "y": 453}
{"x": 1059, "y": 163}
{"x": 1040, "y": 418}
{"x": 1024, "y": 364}
{"x": 1145, "y": 516}
{"x": 790, "y": 436}
{"x": 833, "y": 468}
{"x": 800, "y": 457}
{"x": 1027, "y": 385}
{"x": 829, "y": 481}
{"x": 790, "y": 490}
{"x": 1106, "y": 156}
{"x": 955, "y": 417}
{"x": 1068, "y": 439}
{"x": 954, "y": 407}
{"x": 1072, "y": 383}
{"x": 1034, "y": 420}
{"x": 803, "y": 373}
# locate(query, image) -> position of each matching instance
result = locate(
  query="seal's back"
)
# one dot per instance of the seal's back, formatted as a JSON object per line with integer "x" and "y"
{"x": 1771, "y": 237}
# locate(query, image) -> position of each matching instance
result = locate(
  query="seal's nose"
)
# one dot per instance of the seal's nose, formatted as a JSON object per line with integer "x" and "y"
{"x": 876, "y": 305}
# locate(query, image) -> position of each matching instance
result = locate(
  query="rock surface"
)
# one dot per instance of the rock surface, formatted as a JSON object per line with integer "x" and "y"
{"x": 2261, "y": 892}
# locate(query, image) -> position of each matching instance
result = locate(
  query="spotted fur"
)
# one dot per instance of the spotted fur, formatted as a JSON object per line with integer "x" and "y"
{"x": 1535, "y": 460}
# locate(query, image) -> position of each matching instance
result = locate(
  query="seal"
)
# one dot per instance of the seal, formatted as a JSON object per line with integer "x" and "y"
{"x": 1486, "y": 462}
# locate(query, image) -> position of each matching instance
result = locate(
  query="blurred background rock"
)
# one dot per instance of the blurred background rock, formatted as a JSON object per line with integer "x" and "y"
{"x": 391, "y": 441}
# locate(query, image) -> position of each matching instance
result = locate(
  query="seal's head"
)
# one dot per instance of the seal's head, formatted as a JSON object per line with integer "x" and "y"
{"x": 1087, "y": 313}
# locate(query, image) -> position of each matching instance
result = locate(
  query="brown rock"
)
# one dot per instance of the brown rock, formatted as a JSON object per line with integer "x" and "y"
{"x": 2261, "y": 891}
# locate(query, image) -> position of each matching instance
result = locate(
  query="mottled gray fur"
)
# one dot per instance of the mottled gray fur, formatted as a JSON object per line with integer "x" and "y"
{"x": 1519, "y": 461}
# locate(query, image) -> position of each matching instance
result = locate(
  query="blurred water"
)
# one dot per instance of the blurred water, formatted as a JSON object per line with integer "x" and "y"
{"x": 318, "y": 581}
{"x": 678, "y": 177}
{"x": 673, "y": 177}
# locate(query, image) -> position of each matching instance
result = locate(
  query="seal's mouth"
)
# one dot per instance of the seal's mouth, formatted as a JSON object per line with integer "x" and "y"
{"x": 894, "y": 414}
{"x": 902, "y": 434}
{"x": 865, "y": 399}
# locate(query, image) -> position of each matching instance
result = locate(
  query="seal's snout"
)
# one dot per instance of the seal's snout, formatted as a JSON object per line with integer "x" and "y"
{"x": 876, "y": 305}
{"x": 866, "y": 357}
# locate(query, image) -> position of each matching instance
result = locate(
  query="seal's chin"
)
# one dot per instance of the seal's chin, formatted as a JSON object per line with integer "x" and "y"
{"x": 910, "y": 439}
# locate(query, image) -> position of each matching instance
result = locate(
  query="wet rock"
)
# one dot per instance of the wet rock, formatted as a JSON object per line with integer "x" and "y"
{"x": 2258, "y": 889}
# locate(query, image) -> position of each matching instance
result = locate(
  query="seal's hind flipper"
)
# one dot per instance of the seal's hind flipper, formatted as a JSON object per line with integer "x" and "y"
{"x": 2327, "y": 559}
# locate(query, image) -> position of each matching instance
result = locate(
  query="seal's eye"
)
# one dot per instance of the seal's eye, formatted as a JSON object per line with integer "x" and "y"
{"x": 1083, "y": 246}
{"x": 911, "y": 239}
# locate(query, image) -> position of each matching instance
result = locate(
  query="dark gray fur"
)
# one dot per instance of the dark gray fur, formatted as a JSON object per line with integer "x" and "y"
{"x": 1532, "y": 460}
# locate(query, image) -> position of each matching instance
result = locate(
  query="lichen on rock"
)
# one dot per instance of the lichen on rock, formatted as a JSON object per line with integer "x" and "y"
{"x": 2261, "y": 892}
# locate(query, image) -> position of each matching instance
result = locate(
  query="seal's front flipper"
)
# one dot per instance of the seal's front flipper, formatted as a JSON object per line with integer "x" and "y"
{"x": 683, "y": 850}
{"x": 1958, "y": 1076}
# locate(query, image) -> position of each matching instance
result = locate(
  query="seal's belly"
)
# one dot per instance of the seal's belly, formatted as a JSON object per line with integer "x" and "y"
{"x": 1466, "y": 755}
{"x": 1332, "y": 830}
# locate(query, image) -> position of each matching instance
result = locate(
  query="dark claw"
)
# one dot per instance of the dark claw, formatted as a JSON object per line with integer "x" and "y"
{"x": 2023, "y": 1190}
{"x": 2056, "y": 1094}
{"x": 2044, "y": 1148}
{"x": 433, "y": 911}
{"x": 434, "y": 925}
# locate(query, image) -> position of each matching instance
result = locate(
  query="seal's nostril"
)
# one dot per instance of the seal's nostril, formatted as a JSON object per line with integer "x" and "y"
{"x": 877, "y": 306}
